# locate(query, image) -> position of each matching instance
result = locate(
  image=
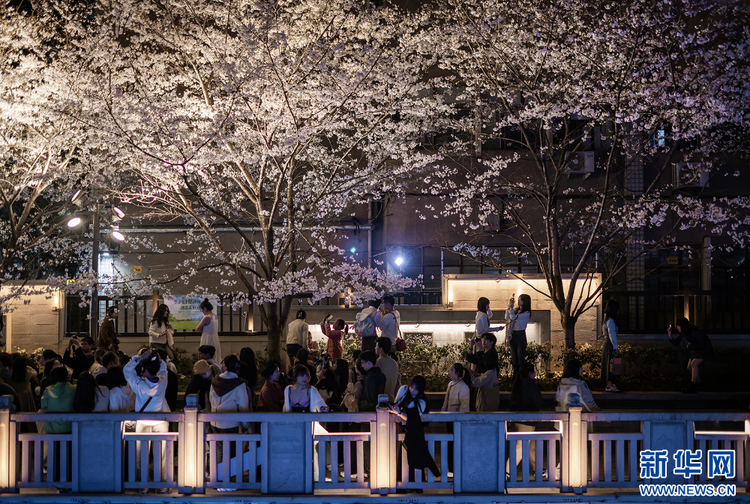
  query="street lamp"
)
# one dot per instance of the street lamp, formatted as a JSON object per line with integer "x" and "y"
{"x": 117, "y": 235}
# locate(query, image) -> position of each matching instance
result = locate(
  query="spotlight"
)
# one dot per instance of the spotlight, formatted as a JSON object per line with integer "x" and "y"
{"x": 75, "y": 196}
{"x": 117, "y": 235}
{"x": 74, "y": 222}
{"x": 118, "y": 212}
{"x": 399, "y": 261}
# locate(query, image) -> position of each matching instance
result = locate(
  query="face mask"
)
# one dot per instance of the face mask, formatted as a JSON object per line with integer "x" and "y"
{"x": 489, "y": 313}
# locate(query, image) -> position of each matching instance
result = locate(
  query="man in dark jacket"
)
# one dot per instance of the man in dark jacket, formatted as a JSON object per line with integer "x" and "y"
{"x": 476, "y": 354}
{"x": 79, "y": 359}
{"x": 374, "y": 381}
{"x": 200, "y": 382}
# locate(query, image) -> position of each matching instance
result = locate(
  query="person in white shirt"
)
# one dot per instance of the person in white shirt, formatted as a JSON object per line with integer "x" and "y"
{"x": 387, "y": 319}
{"x": 365, "y": 326}
{"x": 457, "y": 399}
{"x": 482, "y": 320}
{"x": 296, "y": 335}
{"x": 572, "y": 383}
{"x": 121, "y": 396}
{"x": 160, "y": 331}
{"x": 519, "y": 318}
{"x": 147, "y": 376}
{"x": 457, "y": 396}
{"x": 609, "y": 347}
{"x": 228, "y": 394}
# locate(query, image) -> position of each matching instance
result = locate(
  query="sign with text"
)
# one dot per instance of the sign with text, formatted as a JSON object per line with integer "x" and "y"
{"x": 185, "y": 311}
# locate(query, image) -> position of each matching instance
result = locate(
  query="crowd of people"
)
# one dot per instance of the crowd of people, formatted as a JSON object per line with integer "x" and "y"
{"x": 89, "y": 380}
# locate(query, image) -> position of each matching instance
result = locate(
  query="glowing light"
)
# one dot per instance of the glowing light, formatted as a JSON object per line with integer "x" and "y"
{"x": 74, "y": 222}
{"x": 353, "y": 250}
{"x": 118, "y": 235}
{"x": 399, "y": 261}
{"x": 118, "y": 212}
{"x": 75, "y": 196}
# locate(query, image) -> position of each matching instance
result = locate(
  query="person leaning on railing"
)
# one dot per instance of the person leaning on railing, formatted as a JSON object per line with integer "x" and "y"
{"x": 300, "y": 396}
{"x": 58, "y": 398}
{"x": 228, "y": 395}
{"x": 572, "y": 383}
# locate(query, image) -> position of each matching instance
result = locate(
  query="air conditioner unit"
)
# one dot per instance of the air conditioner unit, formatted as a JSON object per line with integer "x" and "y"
{"x": 689, "y": 175}
{"x": 582, "y": 164}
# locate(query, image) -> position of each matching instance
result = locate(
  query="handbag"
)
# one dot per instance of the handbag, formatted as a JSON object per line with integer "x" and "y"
{"x": 617, "y": 366}
{"x": 400, "y": 344}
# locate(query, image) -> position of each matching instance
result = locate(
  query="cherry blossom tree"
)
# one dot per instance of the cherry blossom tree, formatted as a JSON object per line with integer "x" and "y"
{"x": 589, "y": 104}
{"x": 272, "y": 119}
{"x": 41, "y": 163}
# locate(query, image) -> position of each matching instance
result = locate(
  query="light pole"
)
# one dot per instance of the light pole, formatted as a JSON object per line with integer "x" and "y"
{"x": 94, "y": 317}
{"x": 75, "y": 221}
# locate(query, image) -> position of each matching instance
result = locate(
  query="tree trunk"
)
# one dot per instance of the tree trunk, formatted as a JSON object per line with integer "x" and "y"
{"x": 569, "y": 324}
{"x": 273, "y": 324}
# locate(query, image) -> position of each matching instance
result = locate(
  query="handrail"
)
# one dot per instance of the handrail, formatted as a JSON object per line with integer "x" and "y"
{"x": 571, "y": 456}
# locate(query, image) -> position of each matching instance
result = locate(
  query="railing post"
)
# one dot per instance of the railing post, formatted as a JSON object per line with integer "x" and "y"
{"x": 574, "y": 475}
{"x": 191, "y": 442}
{"x": 7, "y": 444}
{"x": 382, "y": 450}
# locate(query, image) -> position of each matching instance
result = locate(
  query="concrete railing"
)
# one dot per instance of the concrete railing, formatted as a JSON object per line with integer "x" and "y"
{"x": 300, "y": 453}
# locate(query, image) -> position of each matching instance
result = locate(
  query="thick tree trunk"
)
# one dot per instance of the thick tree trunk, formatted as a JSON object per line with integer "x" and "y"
{"x": 569, "y": 324}
{"x": 273, "y": 325}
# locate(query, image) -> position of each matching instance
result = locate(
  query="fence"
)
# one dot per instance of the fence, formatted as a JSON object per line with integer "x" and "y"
{"x": 135, "y": 315}
{"x": 302, "y": 453}
{"x": 648, "y": 312}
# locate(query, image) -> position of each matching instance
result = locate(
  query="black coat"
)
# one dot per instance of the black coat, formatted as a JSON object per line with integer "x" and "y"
{"x": 373, "y": 387}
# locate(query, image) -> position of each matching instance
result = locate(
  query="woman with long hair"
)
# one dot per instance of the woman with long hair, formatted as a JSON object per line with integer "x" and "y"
{"x": 58, "y": 398}
{"x": 249, "y": 367}
{"x": 121, "y": 396}
{"x": 482, "y": 321}
{"x": 160, "y": 331}
{"x": 20, "y": 380}
{"x": 209, "y": 328}
{"x": 519, "y": 319}
{"x": 699, "y": 346}
{"x": 90, "y": 397}
{"x": 609, "y": 347}
{"x": 271, "y": 397}
{"x": 300, "y": 396}
{"x": 341, "y": 370}
{"x": 411, "y": 404}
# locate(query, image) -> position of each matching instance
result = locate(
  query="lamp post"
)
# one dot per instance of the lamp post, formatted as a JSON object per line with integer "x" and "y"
{"x": 94, "y": 317}
{"x": 75, "y": 221}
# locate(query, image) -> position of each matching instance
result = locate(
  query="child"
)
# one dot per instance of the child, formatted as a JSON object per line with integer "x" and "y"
{"x": 335, "y": 335}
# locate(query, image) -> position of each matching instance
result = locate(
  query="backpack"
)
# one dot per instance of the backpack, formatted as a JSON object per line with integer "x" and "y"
{"x": 364, "y": 326}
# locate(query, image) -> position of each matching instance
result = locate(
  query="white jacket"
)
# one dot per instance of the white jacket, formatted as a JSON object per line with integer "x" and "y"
{"x": 101, "y": 404}
{"x": 144, "y": 389}
{"x": 154, "y": 330}
{"x": 121, "y": 399}
{"x": 457, "y": 397}
{"x": 234, "y": 401}
{"x": 316, "y": 401}
{"x": 572, "y": 385}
